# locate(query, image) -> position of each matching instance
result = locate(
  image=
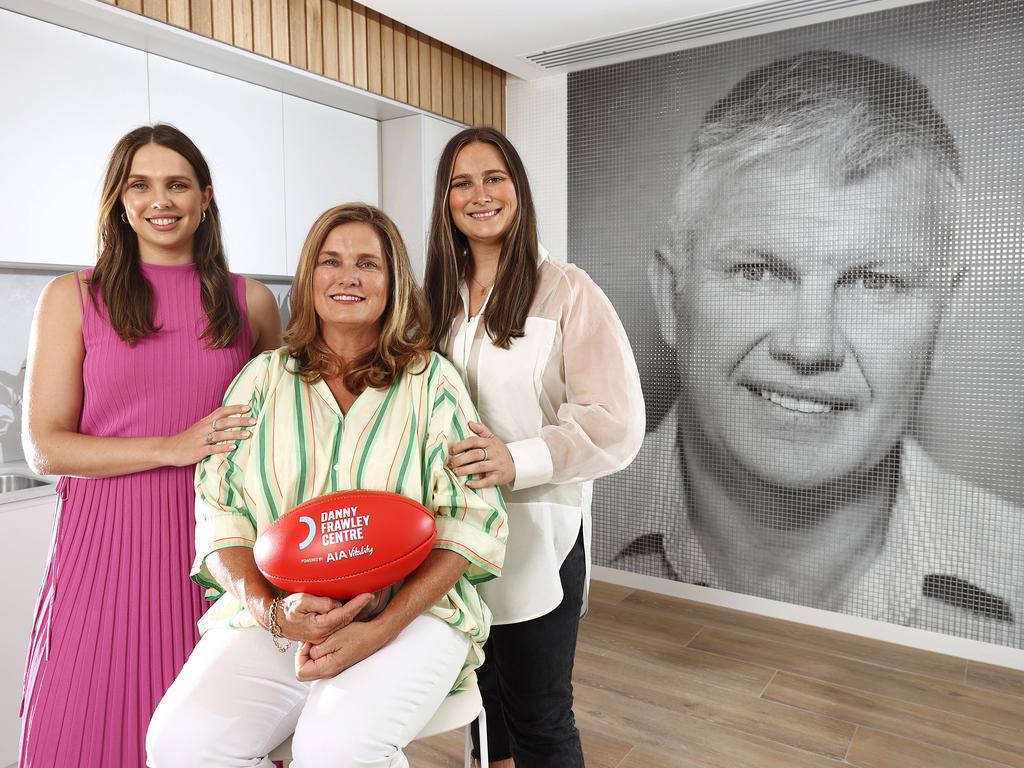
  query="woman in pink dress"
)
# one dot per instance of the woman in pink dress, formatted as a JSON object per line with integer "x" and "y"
{"x": 127, "y": 365}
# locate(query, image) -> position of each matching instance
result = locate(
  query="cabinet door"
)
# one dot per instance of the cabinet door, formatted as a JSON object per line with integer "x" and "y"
{"x": 237, "y": 127}
{"x": 67, "y": 98}
{"x": 330, "y": 157}
{"x": 25, "y": 531}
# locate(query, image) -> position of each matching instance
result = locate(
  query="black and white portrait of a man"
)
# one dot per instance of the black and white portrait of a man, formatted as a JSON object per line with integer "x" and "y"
{"x": 810, "y": 258}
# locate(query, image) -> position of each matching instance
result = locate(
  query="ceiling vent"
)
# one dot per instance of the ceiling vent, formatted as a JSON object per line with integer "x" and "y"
{"x": 699, "y": 30}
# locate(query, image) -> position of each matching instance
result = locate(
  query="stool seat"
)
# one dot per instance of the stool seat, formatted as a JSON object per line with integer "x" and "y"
{"x": 457, "y": 710}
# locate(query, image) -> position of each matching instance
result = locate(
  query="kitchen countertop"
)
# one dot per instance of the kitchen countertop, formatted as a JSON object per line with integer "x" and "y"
{"x": 21, "y": 468}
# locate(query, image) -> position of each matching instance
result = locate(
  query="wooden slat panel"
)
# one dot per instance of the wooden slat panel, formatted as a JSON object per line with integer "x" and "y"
{"x": 458, "y": 86}
{"x": 155, "y": 9}
{"x": 478, "y": 92}
{"x": 330, "y": 25}
{"x": 346, "y": 47}
{"x": 201, "y": 12}
{"x": 446, "y": 80}
{"x": 177, "y": 13}
{"x": 222, "y": 22}
{"x": 412, "y": 48}
{"x": 424, "y": 67}
{"x": 242, "y": 23}
{"x": 359, "y": 45}
{"x": 279, "y": 30}
{"x": 346, "y": 41}
{"x": 262, "y": 28}
{"x": 467, "y": 93}
{"x": 387, "y": 57}
{"x": 297, "y": 33}
{"x": 314, "y": 37}
{"x": 436, "y": 80}
{"x": 504, "y": 95}
{"x": 373, "y": 66}
{"x": 401, "y": 63}
{"x": 497, "y": 112}
{"x": 488, "y": 73}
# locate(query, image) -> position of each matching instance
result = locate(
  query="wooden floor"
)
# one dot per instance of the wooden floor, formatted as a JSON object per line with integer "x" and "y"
{"x": 662, "y": 682}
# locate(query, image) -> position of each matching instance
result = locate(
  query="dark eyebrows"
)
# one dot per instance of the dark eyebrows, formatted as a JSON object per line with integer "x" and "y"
{"x": 485, "y": 173}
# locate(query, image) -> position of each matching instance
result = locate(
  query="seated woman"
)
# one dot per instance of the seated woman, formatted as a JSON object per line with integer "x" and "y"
{"x": 355, "y": 400}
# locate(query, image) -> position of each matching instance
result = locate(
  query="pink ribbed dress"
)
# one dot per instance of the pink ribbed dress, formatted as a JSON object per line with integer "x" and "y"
{"x": 117, "y": 613}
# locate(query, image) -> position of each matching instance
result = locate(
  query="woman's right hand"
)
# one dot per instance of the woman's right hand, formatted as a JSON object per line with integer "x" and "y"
{"x": 312, "y": 619}
{"x": 216, "y": 433}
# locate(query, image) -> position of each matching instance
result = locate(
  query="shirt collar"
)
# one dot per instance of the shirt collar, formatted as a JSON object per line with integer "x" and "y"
{"x": 925, "y": 534}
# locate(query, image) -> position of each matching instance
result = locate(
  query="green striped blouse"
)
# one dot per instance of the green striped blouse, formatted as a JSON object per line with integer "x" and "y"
{"x": 302, "y": 446}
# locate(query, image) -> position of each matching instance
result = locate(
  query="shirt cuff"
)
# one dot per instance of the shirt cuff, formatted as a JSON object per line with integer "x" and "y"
{"x": 532, "y": 460}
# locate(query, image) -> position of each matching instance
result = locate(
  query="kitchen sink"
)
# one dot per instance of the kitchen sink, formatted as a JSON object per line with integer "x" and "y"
{"x": 13, "y": 482}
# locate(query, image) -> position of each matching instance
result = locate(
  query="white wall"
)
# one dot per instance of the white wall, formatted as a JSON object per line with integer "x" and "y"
{"x": 536, "y": 120}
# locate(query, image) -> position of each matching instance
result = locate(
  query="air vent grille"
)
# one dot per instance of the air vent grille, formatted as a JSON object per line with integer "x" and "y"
{"x": 679, "y": 32}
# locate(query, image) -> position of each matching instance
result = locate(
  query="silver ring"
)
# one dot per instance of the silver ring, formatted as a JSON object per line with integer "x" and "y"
{"x": 209, "y": 438}
{"x": 485, "y": 454}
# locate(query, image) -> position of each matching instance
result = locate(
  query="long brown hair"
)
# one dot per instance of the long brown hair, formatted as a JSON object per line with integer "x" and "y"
{"x": 449, "y": 262}
{"x": 117, "y": 276}
{"x": 403, "y": 339}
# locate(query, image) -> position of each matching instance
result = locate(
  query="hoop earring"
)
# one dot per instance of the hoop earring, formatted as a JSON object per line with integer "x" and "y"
{"x": 203, "y": 218}
{"x": 124, "y": 218}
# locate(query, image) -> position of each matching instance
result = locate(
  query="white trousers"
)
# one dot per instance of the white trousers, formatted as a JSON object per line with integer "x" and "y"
{"x": 237, "y": 698}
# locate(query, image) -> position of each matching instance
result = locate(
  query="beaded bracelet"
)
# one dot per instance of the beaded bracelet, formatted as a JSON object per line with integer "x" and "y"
{"x": 274, "y": 628}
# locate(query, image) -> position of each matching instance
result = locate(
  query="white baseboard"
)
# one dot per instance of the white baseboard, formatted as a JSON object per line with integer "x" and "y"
{"x": 972, "y": 650}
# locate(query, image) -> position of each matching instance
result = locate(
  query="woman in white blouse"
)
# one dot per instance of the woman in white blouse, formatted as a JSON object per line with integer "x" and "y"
{"x": 551, "y": 371}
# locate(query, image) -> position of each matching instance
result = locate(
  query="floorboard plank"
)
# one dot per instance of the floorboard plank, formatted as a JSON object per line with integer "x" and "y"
{"x": 950, "y": 668}
{"x": 914, "y": 721}
{"x": 955, "y": 698}
{"x": 873, "y": 749}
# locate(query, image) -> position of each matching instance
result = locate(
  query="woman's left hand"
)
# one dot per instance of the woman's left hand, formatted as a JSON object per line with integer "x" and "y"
{"x": 483, "y": 455}
{"x": 342, "y": 649}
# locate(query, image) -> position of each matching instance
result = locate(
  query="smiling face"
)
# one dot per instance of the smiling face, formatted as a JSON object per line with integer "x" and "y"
{"x": 164, "y": 203}
{"x": 807, "y": 316}
{"x": 350, "y": 281}
{"x": 482, "y": 197}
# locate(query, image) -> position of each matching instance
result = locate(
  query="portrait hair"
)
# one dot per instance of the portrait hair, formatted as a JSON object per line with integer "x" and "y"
{"x": 449, "y": 261}
{"x": 861, "y": 114}
{"x": 117, "y": 276}
{"x": 403, "y": 337}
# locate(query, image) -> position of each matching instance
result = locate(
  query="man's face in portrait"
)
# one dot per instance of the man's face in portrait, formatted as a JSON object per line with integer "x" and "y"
{"x": 806, "y": 309}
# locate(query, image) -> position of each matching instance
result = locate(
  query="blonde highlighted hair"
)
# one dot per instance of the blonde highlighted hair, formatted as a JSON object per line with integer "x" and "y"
{"x": 403, "y": 337}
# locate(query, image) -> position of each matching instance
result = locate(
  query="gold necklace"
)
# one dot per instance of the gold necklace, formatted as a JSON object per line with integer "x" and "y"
{"x": 483, "y": 287}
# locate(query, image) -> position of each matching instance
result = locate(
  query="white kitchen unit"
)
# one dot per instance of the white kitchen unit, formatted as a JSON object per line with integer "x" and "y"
{"x": 25, "y": 529}
{"x": 410, "y": 149}
{"x": 330, "y": 157}
{"x": 238, "y": 128}
{"x": 66, "y": 99}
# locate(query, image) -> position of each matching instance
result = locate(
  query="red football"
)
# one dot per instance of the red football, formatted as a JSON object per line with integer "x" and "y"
{"x": 344, "y": 543}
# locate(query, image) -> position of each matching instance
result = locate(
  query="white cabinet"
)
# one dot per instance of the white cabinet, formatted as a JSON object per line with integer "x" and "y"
{"x": 66, "y": 99}
{"x": 330, "y": 157}
{"x": 238, "y": 128}
{"x": 410, "y": 149}
{"x": 25, "y": 530}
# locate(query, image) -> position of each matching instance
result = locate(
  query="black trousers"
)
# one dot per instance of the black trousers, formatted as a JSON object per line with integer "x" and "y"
{"x": 526, "y": 681}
